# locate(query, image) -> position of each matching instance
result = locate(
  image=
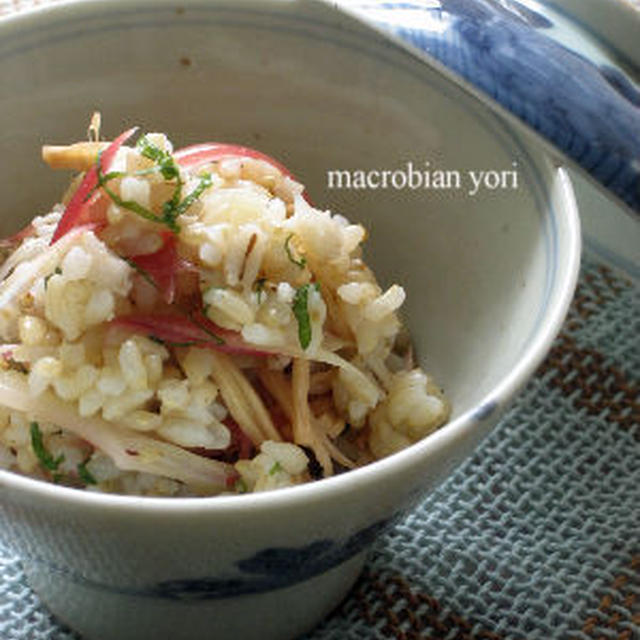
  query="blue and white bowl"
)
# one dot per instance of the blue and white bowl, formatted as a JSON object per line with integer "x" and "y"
{"x": 489, "y": 279}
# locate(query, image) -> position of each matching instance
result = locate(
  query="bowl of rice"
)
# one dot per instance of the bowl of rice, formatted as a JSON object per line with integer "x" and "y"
{"x": 266, "y": 279}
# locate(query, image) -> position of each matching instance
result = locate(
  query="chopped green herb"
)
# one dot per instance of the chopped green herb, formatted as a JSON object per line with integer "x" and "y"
{"x": 170, "y": 171}
{"x": 301, "y": 312}
{"x": 46, "y": 459}
{"x": 275, "y": 468}
{"x": 57, "y": 272}
{"x": 103, "y": 178}
{"x": 301, "y": 262}
{"x": 132, "y": 205}
{"x": 169, "y": 343}
{"x": 206, "y": 329}
{"x": 241, "y": 486}
{"x": 163, "y": 159}
{"x": 143, "y": 272}
{"x": 84, "y": 474}
{"x": 259, "y": 287}
{"x": 203, "y": 185}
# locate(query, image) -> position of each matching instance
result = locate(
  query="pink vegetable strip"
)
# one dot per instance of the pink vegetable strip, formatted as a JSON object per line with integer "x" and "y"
{"x": 80, "y": 205}
{"x": 162, "y": 267}
{"x": 199, "y": 154}
{"x": 182, "y": 330}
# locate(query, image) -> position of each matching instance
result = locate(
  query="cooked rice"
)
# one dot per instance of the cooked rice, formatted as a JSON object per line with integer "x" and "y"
{"x": 309, "y": 380}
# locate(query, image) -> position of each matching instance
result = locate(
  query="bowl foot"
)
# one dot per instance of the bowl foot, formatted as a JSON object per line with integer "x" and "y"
{"x": 105, "y": 613}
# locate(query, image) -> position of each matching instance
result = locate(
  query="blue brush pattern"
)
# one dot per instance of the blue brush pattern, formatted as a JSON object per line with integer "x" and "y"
{"x": 590, "y": 112}
{"x": 266, "y": 570}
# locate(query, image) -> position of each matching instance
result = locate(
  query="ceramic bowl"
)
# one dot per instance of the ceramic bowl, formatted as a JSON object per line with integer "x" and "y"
{"x": 489, "y": 279}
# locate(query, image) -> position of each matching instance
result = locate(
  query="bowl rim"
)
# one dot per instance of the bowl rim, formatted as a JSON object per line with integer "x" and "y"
{"x": 568, "y": 255}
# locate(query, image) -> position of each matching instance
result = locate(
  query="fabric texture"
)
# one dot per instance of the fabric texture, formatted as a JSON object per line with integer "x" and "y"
{"x": 534, "y": 537}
